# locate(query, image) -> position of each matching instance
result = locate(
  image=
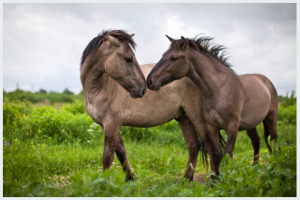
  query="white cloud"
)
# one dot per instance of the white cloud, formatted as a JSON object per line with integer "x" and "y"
{"x": 43, "y": 42}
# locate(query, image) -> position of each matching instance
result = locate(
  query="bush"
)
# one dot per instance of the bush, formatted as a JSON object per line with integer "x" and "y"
{"x": 287, "y": 114}
{"x": 78, "y": 107}
{"x": 14, "y": 110}
{"x": 287, "y": 100}
{"x": 46, "y": 122}
{"x": 94, "y": 184}
{"x": 53, "y": 97}
{"x": 239, "y": 178}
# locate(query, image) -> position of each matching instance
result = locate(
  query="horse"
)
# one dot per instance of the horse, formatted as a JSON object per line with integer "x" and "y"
{"x": 229, "y": 101}
{"x": 113, "y": 84}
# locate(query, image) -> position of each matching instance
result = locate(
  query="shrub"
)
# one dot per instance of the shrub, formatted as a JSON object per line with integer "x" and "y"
{"x": 94, "y": 184}
{"x": 239, "y": 178}
{"x": 76, "y": 107}
{"x": 62, "y": 125}
{"x": 13, "y": 110}
{"x": 287, "y": 114}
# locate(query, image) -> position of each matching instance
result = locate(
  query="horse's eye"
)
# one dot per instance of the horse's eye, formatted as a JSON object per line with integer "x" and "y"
{"x": 174, "y": 58}
{"x": 128, "y": 60}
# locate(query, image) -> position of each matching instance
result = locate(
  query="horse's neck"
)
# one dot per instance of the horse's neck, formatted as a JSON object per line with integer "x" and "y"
{"x": 98, "y": 84}
{"x": 209, "y": 75}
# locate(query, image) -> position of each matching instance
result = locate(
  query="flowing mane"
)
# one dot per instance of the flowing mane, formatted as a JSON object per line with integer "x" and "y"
{"x": 204, "y": 45}
{"x": 95, "y": 43}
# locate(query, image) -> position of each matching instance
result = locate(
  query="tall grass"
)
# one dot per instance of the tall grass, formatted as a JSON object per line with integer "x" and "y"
{"x": 50, "y": 151}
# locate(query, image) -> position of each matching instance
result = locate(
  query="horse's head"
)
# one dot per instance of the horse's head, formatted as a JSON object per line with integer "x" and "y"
{"x": 116, "y": 58}
{"x": 122, "y": 66}
{"x": 173, "y": 65}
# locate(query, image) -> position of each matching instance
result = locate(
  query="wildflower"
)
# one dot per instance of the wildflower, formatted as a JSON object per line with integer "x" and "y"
{"x": 88, "y": 141}
{"x": 6, "y": 143}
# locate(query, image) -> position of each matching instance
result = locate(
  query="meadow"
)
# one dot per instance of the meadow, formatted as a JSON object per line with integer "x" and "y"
{"x": 55, "y": 150}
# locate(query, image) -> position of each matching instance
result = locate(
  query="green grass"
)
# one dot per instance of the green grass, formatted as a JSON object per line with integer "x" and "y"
{"x": 58, "y": 152}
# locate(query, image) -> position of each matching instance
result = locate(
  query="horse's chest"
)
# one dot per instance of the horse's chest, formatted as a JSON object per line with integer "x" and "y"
{"x": 212, "y": 116}
{"x": 95, "y": 112}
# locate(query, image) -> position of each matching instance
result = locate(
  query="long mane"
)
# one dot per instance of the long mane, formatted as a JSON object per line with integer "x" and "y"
{"x": 95, "y": 43}
{"x": 204, "y": 45}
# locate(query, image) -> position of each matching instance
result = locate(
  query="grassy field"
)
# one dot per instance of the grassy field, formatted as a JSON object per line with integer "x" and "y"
{"x": 57, "y": 151}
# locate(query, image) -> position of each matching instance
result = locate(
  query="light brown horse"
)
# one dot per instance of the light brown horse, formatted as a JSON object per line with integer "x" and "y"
{"x": 229, "y": 101}
{"x": 109, "y": 73}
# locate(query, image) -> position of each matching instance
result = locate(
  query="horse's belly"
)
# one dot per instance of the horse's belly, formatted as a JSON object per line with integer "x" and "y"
{"x": 249, "y": 123}
{"x": 156, "y": 118}
{"x": 155, "y": 108}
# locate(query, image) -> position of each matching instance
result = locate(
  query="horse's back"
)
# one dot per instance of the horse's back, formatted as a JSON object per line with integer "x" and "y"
{"x": 146, "y": 68}
{"x": 257, "y": 99}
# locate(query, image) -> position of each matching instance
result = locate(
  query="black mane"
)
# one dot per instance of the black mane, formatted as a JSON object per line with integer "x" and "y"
{"x": 123, "y": 36}
{"x": 203, "y": 44}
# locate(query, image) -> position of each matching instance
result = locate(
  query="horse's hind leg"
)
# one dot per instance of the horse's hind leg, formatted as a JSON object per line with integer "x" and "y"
{"x": 252, "y": 133}
{"x": 121, "y": 154}
{"x": 270, "y": 126}
{"x": 270, "y": 122}
{"x": 193, "y": 144}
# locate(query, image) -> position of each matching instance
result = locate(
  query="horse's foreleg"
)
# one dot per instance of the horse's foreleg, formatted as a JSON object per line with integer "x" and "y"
{"x": 121, "y": 154}
{"x": 214, "y": 149}
{"x": 113, "y": 143}
{"x": 111, "y": 138}
{"x": 193, "y": 145}
{"x": 252, "y": 133}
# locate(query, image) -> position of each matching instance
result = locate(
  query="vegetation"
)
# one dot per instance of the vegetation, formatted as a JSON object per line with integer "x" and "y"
{"x": 42, "y": 96}
{"x": 51, "y": 150}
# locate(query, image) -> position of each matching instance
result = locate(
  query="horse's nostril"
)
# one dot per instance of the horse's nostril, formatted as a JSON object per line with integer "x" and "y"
{"x": 150, "y": 82}
{"x": 143, "y": 91}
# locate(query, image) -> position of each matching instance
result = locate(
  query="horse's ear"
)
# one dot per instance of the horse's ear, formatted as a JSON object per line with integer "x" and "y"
{"x": 132, "y": 35}
{"x": 171, "y": 39}
{"x": 184, "y": 42}
{"x": 114, "y": 41}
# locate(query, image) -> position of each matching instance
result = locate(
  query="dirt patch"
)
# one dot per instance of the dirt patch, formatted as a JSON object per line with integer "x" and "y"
{"x": 200, "y": 178}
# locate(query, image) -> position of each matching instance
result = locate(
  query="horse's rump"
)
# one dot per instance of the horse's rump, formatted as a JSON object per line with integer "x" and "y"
{"x": 257, "y": 99}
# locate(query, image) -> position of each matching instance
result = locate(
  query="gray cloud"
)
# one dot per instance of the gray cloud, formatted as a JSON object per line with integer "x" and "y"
{"x": 43, "y": 42}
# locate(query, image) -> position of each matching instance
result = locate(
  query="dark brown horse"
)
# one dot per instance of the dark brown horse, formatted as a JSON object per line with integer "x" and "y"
{"x": 112, "y": 81}
{"x": 229, "y": 101}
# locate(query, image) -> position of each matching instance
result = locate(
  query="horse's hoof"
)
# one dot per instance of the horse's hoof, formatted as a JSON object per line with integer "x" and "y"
{"x": 131, "y": 176}
{"x": 254, "y": 163}
{"x": 189, "y": 178}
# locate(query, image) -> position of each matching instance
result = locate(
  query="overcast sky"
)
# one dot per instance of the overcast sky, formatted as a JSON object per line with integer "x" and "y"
{"x": 43, "y": 43}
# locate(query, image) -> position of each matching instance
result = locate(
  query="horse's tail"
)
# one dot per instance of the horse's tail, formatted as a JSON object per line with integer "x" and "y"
{"x": 222, "y": 143}
{"x": 203, "y": 153}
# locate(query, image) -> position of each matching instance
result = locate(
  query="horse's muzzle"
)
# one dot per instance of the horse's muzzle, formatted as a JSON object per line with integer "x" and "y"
{"x": 138, "y": 93}
{"x": 152, "y": 86}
